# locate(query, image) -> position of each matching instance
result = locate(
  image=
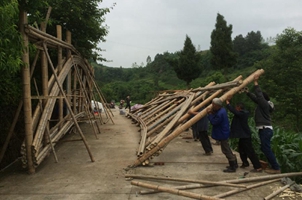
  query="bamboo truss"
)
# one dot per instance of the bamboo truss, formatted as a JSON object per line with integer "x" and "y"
{"x": 166, "y": 117}
{"x": 63, "y": 98}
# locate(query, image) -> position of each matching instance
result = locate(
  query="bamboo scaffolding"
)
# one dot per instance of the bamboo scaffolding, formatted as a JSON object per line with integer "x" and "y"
{"x": 47, "y": 130}
{"x": 33, "y": 32}
{"x": 161, "y": 122}
{"x": 87, "y": 101}
{"x": 68, "y": 105}
{"x": 173, "y": 121}
{"x": 162, "y": 112}
{"x": 173, "y": 191}
{"x": 154, "y": 109}
{"x": 194, "y": 119}
{"x": 107, "y": 111}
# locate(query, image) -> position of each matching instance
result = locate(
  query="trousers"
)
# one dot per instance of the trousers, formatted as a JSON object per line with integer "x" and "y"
{"x": 265, "y": 136}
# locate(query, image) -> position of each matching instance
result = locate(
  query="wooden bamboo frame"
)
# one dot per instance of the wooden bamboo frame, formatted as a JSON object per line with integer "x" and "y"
{"x": 40, "y": 138}
{"x": 182, "y": 124}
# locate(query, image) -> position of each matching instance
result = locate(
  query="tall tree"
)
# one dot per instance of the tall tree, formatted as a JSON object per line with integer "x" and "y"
{"x": 254, "y": 41}
{"x": 239, "y": 43}
{"x": 187, "y": 67}
{"x": 223, "y": 55}
{"x": 10, "y": 40}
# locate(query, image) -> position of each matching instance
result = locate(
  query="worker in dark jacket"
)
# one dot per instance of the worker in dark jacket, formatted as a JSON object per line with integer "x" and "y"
{"x": 201, "y": 128}
{"x": 240, "y": 129}
{"x": 218, "y": 117}
{"x": 264, "y": 124}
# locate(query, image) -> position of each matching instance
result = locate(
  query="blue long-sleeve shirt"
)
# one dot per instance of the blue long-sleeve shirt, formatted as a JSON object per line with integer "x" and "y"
{"x": 220, "y": 123}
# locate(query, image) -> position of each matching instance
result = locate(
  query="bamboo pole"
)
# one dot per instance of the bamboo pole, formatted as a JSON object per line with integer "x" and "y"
{"x": 183, "y": 180}
{"x": 59, "y": 68}
{"x": 26, "y": 91}
{"x": 44, "y": 77}
{"x": 68, "y": 105}
{"x": 87, "y": 101}
{"x": 47, "y": 130}
{"x": 102, "y": 99}
{"x": 173, "y": 191}
{"x": 268, "y": 177}
{"x": 235, "y": 191}
{"x": 173, "y": 121}
{"x": 162, "y": 112}
{"x": 245, "y": 180}
{"x": 202, "y": 104}
{"x": 278, "y": 191}
{"x": 219, "y": 86}
{"x": 31, "y": 31}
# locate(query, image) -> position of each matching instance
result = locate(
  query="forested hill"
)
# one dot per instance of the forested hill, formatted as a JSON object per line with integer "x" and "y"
{"x": 283, "y": 68}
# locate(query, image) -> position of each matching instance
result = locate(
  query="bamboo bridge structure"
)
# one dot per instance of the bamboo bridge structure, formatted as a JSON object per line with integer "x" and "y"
{"x": 61, "y": 98}
{"x": 66, "y": 87}
{"x": 165, "y": 117}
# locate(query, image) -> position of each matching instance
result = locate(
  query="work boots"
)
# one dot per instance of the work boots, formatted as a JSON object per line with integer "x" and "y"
{"x": 232, "y": 167}
{"x": 236, "y": 164}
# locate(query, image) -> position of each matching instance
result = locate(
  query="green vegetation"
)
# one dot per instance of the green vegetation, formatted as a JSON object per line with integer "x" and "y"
{"x": 186, "y": 66}
{"x": 223, "y": 56}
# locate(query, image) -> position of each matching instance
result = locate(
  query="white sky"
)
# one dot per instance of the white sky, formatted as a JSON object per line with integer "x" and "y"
{"x": 142, "y": 28}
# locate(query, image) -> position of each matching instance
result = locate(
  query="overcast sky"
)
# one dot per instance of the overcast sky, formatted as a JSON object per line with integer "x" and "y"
{"x": 142, "y": 28}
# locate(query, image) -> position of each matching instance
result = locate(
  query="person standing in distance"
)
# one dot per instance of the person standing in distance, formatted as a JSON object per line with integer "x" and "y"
{"x": 128, "y": 101}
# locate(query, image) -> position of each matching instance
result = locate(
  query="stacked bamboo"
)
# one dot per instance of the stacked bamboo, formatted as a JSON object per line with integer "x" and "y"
{"x": 166, "y": 116}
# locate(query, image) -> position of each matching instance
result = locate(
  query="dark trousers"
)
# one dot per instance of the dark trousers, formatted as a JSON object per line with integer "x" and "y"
{"x": 246, "y": 150}
{"x": 205, "y": 141}
{"x": 195, "y": 132}
{"x": 265, "y": 136}
{"x": 227, "y": 151}
{"x": 128, "y": 106}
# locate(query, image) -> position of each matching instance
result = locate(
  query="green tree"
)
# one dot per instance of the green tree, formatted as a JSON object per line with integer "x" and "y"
{"x": 84, "y": 19}
{"x": 10, "y": 40}
{"x": 284, "y": 72}
{"x": 239, "y": 44}
{"x": 223, "y": 55}
{"x": 250, "y": 49}
{"x": 254, "y": 41}
{"x": 187, "y": 68}
{"x": 148, "y": 60}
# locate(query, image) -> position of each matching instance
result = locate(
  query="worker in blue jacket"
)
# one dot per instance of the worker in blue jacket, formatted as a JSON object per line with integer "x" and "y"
{"x": 218, "y": 117}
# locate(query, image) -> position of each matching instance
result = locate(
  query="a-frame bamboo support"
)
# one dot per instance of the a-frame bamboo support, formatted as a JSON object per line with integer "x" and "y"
{"x": 66, "y": 91}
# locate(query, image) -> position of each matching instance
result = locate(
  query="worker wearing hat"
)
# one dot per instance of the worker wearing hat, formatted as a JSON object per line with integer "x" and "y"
{"x": 218, "y": 117}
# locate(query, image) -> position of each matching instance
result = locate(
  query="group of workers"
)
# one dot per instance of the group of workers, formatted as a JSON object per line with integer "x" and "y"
{"x": 239, "y": 128}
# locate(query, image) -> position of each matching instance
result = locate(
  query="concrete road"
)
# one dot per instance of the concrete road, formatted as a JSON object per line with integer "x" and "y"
{"x": 75, "y": 177}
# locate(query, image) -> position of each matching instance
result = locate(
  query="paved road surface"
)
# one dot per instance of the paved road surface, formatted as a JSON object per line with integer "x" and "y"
{"x": 75, "y": 177}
